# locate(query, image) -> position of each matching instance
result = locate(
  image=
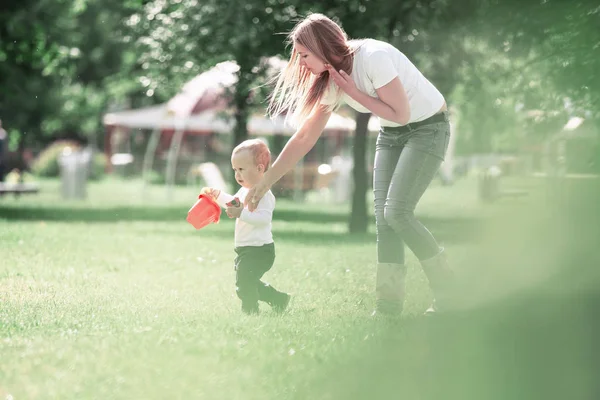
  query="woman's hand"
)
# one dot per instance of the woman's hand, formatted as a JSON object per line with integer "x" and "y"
{"x": 255, "y": 194}
{"x": 342, "y": 80}
{"x": 296, "y": 148}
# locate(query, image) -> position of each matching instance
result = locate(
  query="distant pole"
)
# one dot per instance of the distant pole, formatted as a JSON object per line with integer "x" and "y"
{"x": 180, "y": 125}
{"x": 298, "y": 181}
{"x": 149, "y": 155}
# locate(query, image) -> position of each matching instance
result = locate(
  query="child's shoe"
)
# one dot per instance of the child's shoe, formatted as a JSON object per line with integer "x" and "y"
{"x": 250, "y": 309}
{"x": 281, "y": 304}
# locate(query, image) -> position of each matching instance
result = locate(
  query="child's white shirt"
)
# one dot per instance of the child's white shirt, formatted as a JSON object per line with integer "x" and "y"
{"x": 252, "y": 228}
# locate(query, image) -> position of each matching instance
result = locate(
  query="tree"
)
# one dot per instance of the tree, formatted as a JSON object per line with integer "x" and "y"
{"x": 195, "y": 36}
{"x": 510, "y": 58}
{"x": 180, "y": 40}
{"x": 63, "y": 61}
{"x": 559, "y": 39}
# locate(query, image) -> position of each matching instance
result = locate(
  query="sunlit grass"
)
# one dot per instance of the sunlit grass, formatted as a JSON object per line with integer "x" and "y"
{"x": 118, "y": 297}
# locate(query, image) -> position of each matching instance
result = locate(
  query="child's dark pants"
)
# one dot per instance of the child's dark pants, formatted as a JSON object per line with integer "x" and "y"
{"x": 251, "y": 263}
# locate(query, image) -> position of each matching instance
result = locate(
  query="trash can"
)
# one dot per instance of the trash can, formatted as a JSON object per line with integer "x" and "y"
{"x": 489, "y": 184}
{"x": 74, "y": 168}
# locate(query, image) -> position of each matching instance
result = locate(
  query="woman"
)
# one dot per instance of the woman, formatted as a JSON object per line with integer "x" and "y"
{"x": 325, "y": 68}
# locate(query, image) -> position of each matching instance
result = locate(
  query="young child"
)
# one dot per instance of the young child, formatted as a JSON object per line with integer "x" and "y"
{"x": 253, "y": 238}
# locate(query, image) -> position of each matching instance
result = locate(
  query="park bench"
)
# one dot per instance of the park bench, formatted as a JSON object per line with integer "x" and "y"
{"x": 18, "y": 188}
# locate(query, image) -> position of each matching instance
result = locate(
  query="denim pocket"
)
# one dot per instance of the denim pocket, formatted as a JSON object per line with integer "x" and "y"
{"x": 432, "y": 139}
{"x": 386, "y": 139}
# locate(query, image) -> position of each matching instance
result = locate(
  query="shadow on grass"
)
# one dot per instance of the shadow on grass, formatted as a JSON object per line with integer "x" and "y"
{"x": 305, "y": 237}
{"x": 522, "y": 349}
{"x": 445, "y": 229}
{"x": 527, "y": 328}
{"x": 539, "y": 342}
{"x": 113, "y": 214}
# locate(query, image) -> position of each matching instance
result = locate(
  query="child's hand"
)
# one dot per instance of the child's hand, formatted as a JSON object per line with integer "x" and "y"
{"x": 211, "y": 192}
{"x": 234, "y": 212}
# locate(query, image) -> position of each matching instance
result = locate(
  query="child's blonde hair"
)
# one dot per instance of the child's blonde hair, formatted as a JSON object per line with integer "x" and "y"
{"x": 259, "y": 150}
{"x": 297, "y": 91}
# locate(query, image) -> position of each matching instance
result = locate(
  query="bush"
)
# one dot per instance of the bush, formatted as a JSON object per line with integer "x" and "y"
{"x": 15, "y": 176}
{"x": 46, "y": 164}
{"x": 155, "y": 178}
{"x": 97, "y": 169}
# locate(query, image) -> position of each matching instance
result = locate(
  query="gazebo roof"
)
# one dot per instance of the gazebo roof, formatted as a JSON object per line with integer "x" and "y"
{"x": 202, "y": 102}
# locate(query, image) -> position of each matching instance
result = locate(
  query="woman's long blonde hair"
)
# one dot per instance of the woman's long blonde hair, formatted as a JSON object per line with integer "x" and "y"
{"x": 297, "y": 91}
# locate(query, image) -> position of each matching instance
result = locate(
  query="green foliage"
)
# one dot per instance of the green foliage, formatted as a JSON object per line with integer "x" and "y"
{"x": 560, "y": 39}
{"x": 46, "y": 164}
{"x": 155, "y": 178}
{"x": 499, "y": 63}
{"x": 15, "y": 176}
{"x": 98, "y": 166}
{"x": 56, "y": 66}
{"x": 64, "y": 64}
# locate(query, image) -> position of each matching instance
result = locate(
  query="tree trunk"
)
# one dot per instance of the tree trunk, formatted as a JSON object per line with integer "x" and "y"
{"x": 240, "y": 132}
{"x": 240, "y": 102}
{"x": 359, "y": 221}
{"x": 278, "y": 144}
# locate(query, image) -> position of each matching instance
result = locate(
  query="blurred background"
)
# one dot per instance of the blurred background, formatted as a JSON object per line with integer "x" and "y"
{"x": 162, "y": 90}
{"x": 114, "y": 113}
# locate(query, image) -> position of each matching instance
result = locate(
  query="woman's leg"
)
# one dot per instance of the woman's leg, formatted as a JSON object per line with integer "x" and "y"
{"x": 390, "y": 248}
{"x": 416, "y": 168}
{"x": 417, "y": 165}
{"x": 391, "y": 272}
{"x": 414, "y": 172}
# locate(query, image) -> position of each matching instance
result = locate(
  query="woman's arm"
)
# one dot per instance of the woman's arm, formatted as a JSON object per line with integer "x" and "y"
{"x": 298, "y": 145}
{"x": 392, "y": 102}
{"x": 296, "y": 148}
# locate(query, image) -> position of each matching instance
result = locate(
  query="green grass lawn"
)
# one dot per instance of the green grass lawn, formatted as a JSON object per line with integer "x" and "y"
{"x": 117, "y": 297}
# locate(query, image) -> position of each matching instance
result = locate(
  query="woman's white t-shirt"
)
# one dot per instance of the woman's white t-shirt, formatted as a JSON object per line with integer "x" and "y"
{"x": 375, "y": 64}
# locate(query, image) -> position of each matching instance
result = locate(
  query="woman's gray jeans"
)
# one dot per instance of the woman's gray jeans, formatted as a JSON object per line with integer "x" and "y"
{"x": 406, "y": 160}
